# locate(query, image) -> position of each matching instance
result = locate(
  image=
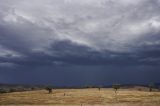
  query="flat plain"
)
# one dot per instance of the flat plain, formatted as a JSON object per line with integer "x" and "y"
{"x": 83, "y": 97}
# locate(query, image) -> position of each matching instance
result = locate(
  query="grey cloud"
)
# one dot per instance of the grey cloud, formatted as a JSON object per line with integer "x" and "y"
{"x": 79, "y": 33}
{"x": 113, "y": 27}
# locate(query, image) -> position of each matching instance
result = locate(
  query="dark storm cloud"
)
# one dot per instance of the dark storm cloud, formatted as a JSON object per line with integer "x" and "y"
{"x": 67, "y": 52}
{"x": 79, "y": 35}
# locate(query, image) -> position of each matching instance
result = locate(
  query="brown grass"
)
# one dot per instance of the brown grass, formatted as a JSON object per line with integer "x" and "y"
{"x": 78, "y": 97}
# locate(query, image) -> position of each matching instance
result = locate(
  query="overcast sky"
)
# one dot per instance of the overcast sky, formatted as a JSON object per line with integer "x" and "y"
{"x": 78, "y": 42}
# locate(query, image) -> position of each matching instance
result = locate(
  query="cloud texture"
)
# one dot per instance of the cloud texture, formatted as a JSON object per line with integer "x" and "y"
{"x": 82, "y": 33}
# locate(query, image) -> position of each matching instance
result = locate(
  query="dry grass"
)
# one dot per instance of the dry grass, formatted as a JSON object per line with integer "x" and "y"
{"x": 78, "y": 97}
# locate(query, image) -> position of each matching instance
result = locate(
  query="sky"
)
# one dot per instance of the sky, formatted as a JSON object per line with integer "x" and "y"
{"x": 79, "y": 42}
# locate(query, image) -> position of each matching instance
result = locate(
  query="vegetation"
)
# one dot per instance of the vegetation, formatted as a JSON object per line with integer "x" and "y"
{"x": 86, "y": 97}
{"x": 116, "y": 87}
{"x": 90, "y": 96}
{"x": 7, "y": 89}
{"x": 151, "y": 86}
{"x": 2, "y": 90}
{"x": 49, "y": 89}
{"x": 90, "y": 86}
{"x": 99, "y": 88}
{"x": 12, "y": 90}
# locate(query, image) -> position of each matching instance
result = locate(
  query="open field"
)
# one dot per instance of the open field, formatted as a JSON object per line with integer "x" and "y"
{"x": 78, "y": 97}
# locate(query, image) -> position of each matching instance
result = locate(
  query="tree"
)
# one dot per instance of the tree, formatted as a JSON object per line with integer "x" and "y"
{"x": 151, "y": 86}
{"x": 116, "y": 87}
{"x": 49, "y": 89}
{"x": 99, "y": 88}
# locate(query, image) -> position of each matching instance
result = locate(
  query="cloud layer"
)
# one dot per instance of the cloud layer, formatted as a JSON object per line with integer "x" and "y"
{"x": 54, "y": 33}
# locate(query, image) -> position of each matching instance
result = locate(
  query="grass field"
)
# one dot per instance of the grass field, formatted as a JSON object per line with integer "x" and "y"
{"x": 82, "y": 97}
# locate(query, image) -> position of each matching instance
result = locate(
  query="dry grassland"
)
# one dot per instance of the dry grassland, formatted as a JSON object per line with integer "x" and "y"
{"x": 82, "y": 97}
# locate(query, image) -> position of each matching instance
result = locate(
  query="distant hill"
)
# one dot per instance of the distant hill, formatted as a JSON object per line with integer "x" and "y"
{"x": 6, "y": 88}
